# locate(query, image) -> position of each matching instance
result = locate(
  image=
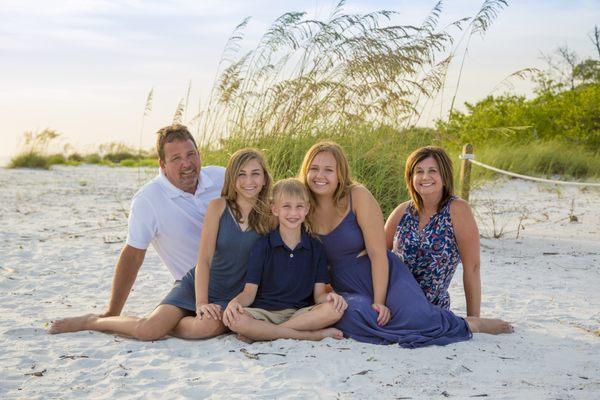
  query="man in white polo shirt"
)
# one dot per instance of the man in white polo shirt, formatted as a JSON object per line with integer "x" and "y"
{"x": 168, "y": 212}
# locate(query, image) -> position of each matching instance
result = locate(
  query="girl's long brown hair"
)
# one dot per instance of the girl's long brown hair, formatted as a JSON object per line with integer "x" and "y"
{"x": 259, "y": 218}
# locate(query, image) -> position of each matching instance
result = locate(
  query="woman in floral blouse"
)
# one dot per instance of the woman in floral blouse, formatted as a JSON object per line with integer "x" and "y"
{"x": 436, "y": 230}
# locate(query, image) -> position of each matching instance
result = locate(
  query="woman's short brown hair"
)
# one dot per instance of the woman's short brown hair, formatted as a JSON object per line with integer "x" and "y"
{"x": 445, "y": 168}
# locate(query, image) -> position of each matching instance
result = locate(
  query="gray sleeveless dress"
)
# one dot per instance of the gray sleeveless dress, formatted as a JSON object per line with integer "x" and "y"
{"x": 227, "y": 270}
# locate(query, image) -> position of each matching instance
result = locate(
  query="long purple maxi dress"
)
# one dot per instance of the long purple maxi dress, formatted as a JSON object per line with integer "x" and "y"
{"x": 414, "y": 321}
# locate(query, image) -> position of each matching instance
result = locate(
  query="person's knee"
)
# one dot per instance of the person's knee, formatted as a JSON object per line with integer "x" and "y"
{"x": 329, "y": 313}
{"x": 240, "y": 324}
{"x": 203, "y": 329}
{"x": 147, "y": 331}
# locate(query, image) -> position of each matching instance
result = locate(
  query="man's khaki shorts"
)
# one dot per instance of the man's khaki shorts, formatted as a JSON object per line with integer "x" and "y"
{"x": 276, "y": 317}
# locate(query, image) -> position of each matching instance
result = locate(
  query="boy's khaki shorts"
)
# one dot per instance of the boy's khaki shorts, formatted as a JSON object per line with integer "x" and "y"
{"x": 276, "y": 317}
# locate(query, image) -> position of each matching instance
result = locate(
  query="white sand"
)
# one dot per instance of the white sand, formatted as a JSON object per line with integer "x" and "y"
{"x": 63, "y": 229}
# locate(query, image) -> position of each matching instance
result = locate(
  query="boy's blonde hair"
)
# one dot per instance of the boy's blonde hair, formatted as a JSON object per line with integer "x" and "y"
{"x": 292, "y": 187}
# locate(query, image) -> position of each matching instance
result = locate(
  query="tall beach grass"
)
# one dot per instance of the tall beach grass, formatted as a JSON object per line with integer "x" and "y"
{"x": 361, "y": 80}
{"x": 545, "y": 159}
{"x": 376, "y": 155}
{"x": 312, "y": 76}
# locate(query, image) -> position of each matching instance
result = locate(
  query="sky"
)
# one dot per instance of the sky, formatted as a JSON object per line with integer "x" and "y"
{"x": 85, "y": 68}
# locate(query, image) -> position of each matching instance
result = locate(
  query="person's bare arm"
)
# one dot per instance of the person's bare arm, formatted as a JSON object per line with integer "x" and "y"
{"x": 370, "y": 219}
{"x": 126, "y": 270}
{"x": 320, "y": 293}
{"x": 236, "y": 306}
{"x": 392, "y": 223}
{"x": 206, "y": 251}
{"x": 467, "y": 238}
{"x": 320, "y": 296}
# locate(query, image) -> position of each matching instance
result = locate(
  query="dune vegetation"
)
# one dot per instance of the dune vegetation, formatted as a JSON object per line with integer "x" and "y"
{"x": 364, "y": 81}
{"x": 39, "y": 151}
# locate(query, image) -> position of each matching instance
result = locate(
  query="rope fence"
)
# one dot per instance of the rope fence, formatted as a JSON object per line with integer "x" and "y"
{"x": 468, "y": 158}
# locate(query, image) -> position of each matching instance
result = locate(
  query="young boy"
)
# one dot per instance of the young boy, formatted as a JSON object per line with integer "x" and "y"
{"x": 286, "y": 277}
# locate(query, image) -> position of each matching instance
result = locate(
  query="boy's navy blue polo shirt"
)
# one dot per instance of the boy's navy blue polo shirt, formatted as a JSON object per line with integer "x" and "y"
{"x": 286, "y": 278}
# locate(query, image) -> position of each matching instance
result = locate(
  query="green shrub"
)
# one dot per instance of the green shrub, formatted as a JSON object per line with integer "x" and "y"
{"x": 570, "y": 116}
{"x": 56, "y": 159}
{"x": 93, "y": 158}
{"x": 128, "y": 162}
{"x": 116, "y": 158}
{"x": 29, "y": 160}
{"x": 548, "y": 159}
{"x": 148, "y": 162}
{"x": 75, "y": 157}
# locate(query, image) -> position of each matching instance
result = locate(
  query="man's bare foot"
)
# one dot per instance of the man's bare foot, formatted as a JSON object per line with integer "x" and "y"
{"x": 74, "y": 324}
{"x": 244, "y": 339}
{"x": 489, "y": 325}
{"x": 331, "y": 332}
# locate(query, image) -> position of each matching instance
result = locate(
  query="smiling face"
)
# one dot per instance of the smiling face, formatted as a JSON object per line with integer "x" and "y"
{"x": 427, "y": 180}
{"x": 181, "y": 165}
{"x": 250, "y": 180}
{"x": 291, "y": 210}
{"x": 322, "y": 176}
{"x": 428, "y": 172}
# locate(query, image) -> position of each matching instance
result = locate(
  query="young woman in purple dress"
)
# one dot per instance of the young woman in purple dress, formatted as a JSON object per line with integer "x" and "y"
{"x": 435, "y": 230}
{"x": 385, "y": 303}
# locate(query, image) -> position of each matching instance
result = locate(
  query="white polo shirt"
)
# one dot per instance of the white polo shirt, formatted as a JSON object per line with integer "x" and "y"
{"x": 172, "y": 219}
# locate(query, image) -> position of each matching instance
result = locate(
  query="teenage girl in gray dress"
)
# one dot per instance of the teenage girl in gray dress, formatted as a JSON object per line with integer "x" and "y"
{"x": 193, "y": 308}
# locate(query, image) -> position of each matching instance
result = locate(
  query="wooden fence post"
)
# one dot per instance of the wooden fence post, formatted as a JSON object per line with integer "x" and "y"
{"x": 465, "y": 172}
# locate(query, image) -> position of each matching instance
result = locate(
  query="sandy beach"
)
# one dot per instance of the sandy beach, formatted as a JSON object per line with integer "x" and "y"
{"x": 62, "y": 231}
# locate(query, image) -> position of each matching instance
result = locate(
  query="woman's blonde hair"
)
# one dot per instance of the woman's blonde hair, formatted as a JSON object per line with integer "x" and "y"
{"x": 292, "y": 187}
{"x": 445, "y": 168}
{"x": 345, "y": 181}
{"x": 259, "y": 218}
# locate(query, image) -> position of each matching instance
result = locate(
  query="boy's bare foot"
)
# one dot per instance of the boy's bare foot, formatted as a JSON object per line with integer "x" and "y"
{"x": 332, "y": 333}
{"x": 489, "y": 325}
{"x": 74, "y": 324}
